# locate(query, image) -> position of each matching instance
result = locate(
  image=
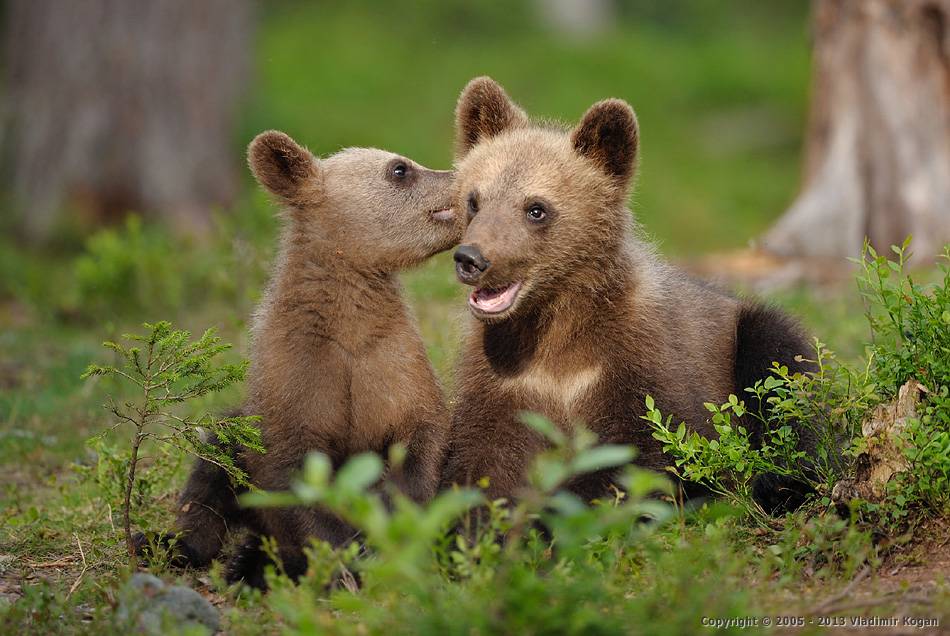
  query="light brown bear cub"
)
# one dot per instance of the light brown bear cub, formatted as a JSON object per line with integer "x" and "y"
{"x": 576, "y": 318}
{"x": 337, "y": 364}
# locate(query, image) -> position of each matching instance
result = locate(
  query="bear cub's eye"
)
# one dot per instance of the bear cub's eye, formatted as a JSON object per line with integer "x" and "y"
{"x": 400, "y": 170}
{"x": 472, "y": 204}
{"x": 537, "y": 212}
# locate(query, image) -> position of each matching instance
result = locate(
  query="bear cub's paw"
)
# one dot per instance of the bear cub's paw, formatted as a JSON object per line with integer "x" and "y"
{"x": 247, "y": 562}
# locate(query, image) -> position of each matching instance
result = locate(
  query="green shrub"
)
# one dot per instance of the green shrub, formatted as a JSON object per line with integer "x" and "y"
{"x": 549, "y": 564}
{"x": 169, "y": 370}
{"x": 139, "y": 267}
{"x": 127, "y": 269}
{"x": 824, "y": 547}
{"x": 911, "y": 325}
{"x": 828, "y": 404}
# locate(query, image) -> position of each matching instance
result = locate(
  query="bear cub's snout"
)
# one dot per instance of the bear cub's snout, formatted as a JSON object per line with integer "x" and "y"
{"x": 469, "y": 264}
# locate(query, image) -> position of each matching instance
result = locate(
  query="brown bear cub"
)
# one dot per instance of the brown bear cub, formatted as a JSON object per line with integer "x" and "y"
{"x": 575, "y": 317}
{"x": 337, "y": 364}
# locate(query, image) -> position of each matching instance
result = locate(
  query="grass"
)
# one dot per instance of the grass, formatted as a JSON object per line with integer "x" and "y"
{"x": 721, "y": 95}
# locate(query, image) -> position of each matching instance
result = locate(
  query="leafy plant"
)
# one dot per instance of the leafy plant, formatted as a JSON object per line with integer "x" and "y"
{"x": 725, "y": 465}
{"x": 169, "y": 370}
{"x": 819, "y": 547}
{"x": 910, "y": 322}
{"x": 108, "y": 474}
{"x": 130, "y": 267}
{"x": 826, "y": 407}
{"x": 509, "y": 572}
{"x": 927, "y": 481}
{"x": 911, "y": 327}
{"x": 404, "y": 536}
{"x": 574, "y": 522}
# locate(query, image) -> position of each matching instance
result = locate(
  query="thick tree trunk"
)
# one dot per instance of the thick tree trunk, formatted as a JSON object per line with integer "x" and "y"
{"x": 111, "y": 106}
{"x": 877, "y": 161}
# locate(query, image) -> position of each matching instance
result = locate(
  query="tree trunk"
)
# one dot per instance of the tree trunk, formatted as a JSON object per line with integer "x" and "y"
{"x": 877, "y": 154}
{"x": 580, "y": 20}
{"x": 111, "y": 106}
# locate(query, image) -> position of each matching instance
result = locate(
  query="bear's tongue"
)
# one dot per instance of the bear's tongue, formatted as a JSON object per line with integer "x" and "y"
{"x": 492, "y": 301}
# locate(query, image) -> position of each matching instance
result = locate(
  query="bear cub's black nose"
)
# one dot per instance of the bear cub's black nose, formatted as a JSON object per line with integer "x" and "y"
{"x": 469, "y": 263}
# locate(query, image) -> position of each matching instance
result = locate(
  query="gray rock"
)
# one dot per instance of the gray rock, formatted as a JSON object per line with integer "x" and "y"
{"x": 156, "y": 605}
{"x": 141, "y": 582}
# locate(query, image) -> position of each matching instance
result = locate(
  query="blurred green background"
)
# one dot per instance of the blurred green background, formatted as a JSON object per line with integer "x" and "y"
{"x": 720, "y": 89}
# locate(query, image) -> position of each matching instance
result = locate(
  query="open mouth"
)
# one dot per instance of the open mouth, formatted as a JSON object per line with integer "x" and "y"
{"x": 493, "y": 301}
{"x": 446, "y": 214}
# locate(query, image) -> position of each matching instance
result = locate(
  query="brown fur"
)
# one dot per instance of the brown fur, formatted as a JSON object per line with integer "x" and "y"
{"x": 599, "y": 321}
{"x": 337, "y": 364}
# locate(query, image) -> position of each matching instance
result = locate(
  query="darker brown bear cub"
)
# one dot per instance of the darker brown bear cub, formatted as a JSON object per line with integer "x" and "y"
{"x": 337, "y": 365}
{"x": 576, "y": 318}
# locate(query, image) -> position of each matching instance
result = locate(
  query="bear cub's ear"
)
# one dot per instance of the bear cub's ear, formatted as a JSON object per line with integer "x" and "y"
{"x": 484, "y": 110}
{"x": 608, "y": 134}
{"x": 282, "y": 167}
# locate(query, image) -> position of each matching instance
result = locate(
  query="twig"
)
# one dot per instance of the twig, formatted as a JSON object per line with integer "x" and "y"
{"x": 830, "y": 607}
{"x": 877, "y": 602}
{"x": 823, "y": 607}
{"x": 349, "y": 581}
{"x": 84, "y": 566}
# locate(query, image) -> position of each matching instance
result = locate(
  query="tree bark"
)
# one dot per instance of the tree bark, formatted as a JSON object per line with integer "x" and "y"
{"x": 111, "y": 106}
{"x": 877, "y": 151}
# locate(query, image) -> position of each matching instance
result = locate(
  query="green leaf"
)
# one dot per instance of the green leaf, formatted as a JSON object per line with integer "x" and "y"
{"x": 448, "y": 506}
{"x": 360, "y": 472}
{"x": 544, "y": 426}
{"x": 640, "y": 482}
{"x": 600, "y": 457}
{"x": 567, "y": 504}
{"x": 269, "y": 499}
{"x": 317, "y": 469}
{"x": 548, "y": 472}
